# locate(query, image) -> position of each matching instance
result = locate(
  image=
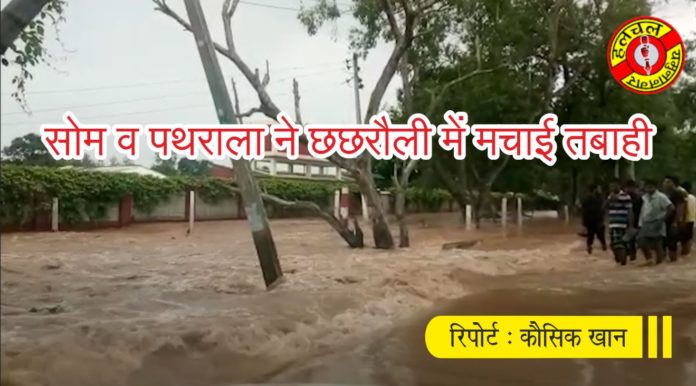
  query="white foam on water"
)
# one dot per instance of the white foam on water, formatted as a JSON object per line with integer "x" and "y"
{"x": 127, "y": 296}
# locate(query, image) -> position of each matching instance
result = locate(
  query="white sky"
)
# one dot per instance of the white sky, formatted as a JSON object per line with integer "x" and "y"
{"x": 125, "y": 63}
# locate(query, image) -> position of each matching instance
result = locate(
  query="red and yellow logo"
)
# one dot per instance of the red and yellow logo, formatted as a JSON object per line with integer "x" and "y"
{"x": 646, "y": 55}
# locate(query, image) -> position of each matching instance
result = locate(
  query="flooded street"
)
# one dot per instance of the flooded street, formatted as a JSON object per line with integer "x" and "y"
{"x": 147, "y": 305}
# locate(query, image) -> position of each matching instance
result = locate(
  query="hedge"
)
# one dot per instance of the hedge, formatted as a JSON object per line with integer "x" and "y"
{"x": 85, "y": 195}
{"x": 432, "y": 199}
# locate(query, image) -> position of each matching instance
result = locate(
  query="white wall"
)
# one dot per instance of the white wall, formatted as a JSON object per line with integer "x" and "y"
{"x": 223, "y": 209}
{"x": 174, "y": 209}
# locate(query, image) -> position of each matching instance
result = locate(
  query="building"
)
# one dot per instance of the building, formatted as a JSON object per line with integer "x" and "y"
{"x": 220, "y": 171}
{"x": 276, "y": 164}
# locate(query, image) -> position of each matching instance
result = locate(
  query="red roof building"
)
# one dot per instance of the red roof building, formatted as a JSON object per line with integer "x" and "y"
{"x": 220, "y": 171}
{"x": 275, "y": 163}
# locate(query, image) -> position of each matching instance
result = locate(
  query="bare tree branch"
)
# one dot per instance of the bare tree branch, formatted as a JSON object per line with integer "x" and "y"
{"x": 250, "y": 112}
{"x": 268, "y": 107}
{"x": 267, "y": 76}
{"x": 228, "y": 10}
{"x": 395, "y": 175}
{"x": 237, "y": 111}
{"x": 393, "y": 24}
{"x": 296, "y": 97}
{"x": 493, "y": 174}
{"x": 236, "y": 100}
{"x": 410, "y": 167}
{"x": 407, "y": 167}
{"x": 400, "y": 48}
{"x": 163, "y": 7}
{"x": 436, "y": 99}
{"x": 351, "y": 237}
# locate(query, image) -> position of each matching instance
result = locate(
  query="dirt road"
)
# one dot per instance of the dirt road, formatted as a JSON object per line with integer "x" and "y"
{"x": 149, "y": 306}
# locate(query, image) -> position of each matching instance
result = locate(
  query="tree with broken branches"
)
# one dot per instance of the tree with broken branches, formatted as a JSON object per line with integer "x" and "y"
{"x": 417, "y": 30}
{"x": 400, "y": 22}
{"x": 353, "y": 237}
{"x": 360, "y": 168}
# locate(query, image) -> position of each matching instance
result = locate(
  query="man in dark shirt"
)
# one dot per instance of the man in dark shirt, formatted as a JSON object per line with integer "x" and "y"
{"x": 593, "y": 217}
{"x": 675, "y": 218}
{"x": 631, "y": 188}
{"x": 620, "y": 217}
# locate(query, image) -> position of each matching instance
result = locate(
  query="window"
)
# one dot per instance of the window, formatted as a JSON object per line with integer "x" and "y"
{"x": 329, "y": 170}
{"x": 298, "y": 169}
{"x": 316, "y": 170}
{"x": 282, "y": 167}
{"x": 263, "y": 166}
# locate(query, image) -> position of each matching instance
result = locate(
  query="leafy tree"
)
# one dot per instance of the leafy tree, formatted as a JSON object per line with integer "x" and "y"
{"x": 28, "y": 150}
{"x": 514, "y": 50}
{"x": 188, "y": 167}
{"x": 549, "y": 56}
{"x": 181, "y": 167}
{"x": 117, "y": 161}
{"x": 166, "y": 166}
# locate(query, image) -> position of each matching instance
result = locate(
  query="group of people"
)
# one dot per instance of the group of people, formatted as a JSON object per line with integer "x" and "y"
{"x": 658, "y": 220}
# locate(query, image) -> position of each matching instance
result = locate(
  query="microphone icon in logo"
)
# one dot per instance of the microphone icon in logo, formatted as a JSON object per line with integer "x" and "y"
{"x": 645, "y": 52}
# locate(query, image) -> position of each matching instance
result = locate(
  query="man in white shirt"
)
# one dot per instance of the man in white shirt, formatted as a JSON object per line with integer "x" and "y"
{"x": 687, "y": 232}
{"x": 655, "y": 210}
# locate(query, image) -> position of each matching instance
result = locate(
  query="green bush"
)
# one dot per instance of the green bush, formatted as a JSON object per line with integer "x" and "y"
{"x": 428, "y": 199}
{"x": 299, "y": 190}
{"x": 85, "y": 195}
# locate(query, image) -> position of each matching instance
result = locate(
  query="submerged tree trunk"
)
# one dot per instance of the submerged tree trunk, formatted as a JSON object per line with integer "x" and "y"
{"x": 574, "y": 189}
{"x": 400, "y": 212}
{"x": 462, "y": 211}
{"x": 380, "y": 227}
{"x": 400, "y": 178}
{"x": 482, "y": 199}
{"x": 456, "y": 184}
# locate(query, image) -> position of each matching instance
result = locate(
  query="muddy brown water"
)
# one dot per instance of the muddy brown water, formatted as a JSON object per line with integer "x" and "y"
{"x": 148, "y": 306}
{"x": 399, "y": 357}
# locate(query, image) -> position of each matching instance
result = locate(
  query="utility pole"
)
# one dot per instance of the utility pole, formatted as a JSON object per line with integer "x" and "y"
{"x": 251, "y": 197}
{"x": 356, "y": 89}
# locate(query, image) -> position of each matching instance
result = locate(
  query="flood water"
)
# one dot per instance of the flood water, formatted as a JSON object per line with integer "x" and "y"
{"x": 147, "y": 306}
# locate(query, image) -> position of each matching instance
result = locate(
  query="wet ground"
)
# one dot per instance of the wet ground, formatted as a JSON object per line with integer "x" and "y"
{"x": 147, "y": 306}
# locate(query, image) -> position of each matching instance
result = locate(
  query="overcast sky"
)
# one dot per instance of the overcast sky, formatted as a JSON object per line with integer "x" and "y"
{"x": 122, "y": 62}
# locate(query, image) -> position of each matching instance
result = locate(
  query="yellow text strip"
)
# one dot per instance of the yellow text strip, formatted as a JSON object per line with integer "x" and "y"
{"x": 517, "y": 337}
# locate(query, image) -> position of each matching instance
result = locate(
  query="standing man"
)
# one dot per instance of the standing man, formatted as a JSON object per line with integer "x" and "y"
{"x": 675, "y": 219}
{"x": 620, "y": 217}
{"x": 593, "y": 217}
{"x": 656, "y": 208}
{"x": 690, "y": 219}
{"x": 631, "y": 188}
